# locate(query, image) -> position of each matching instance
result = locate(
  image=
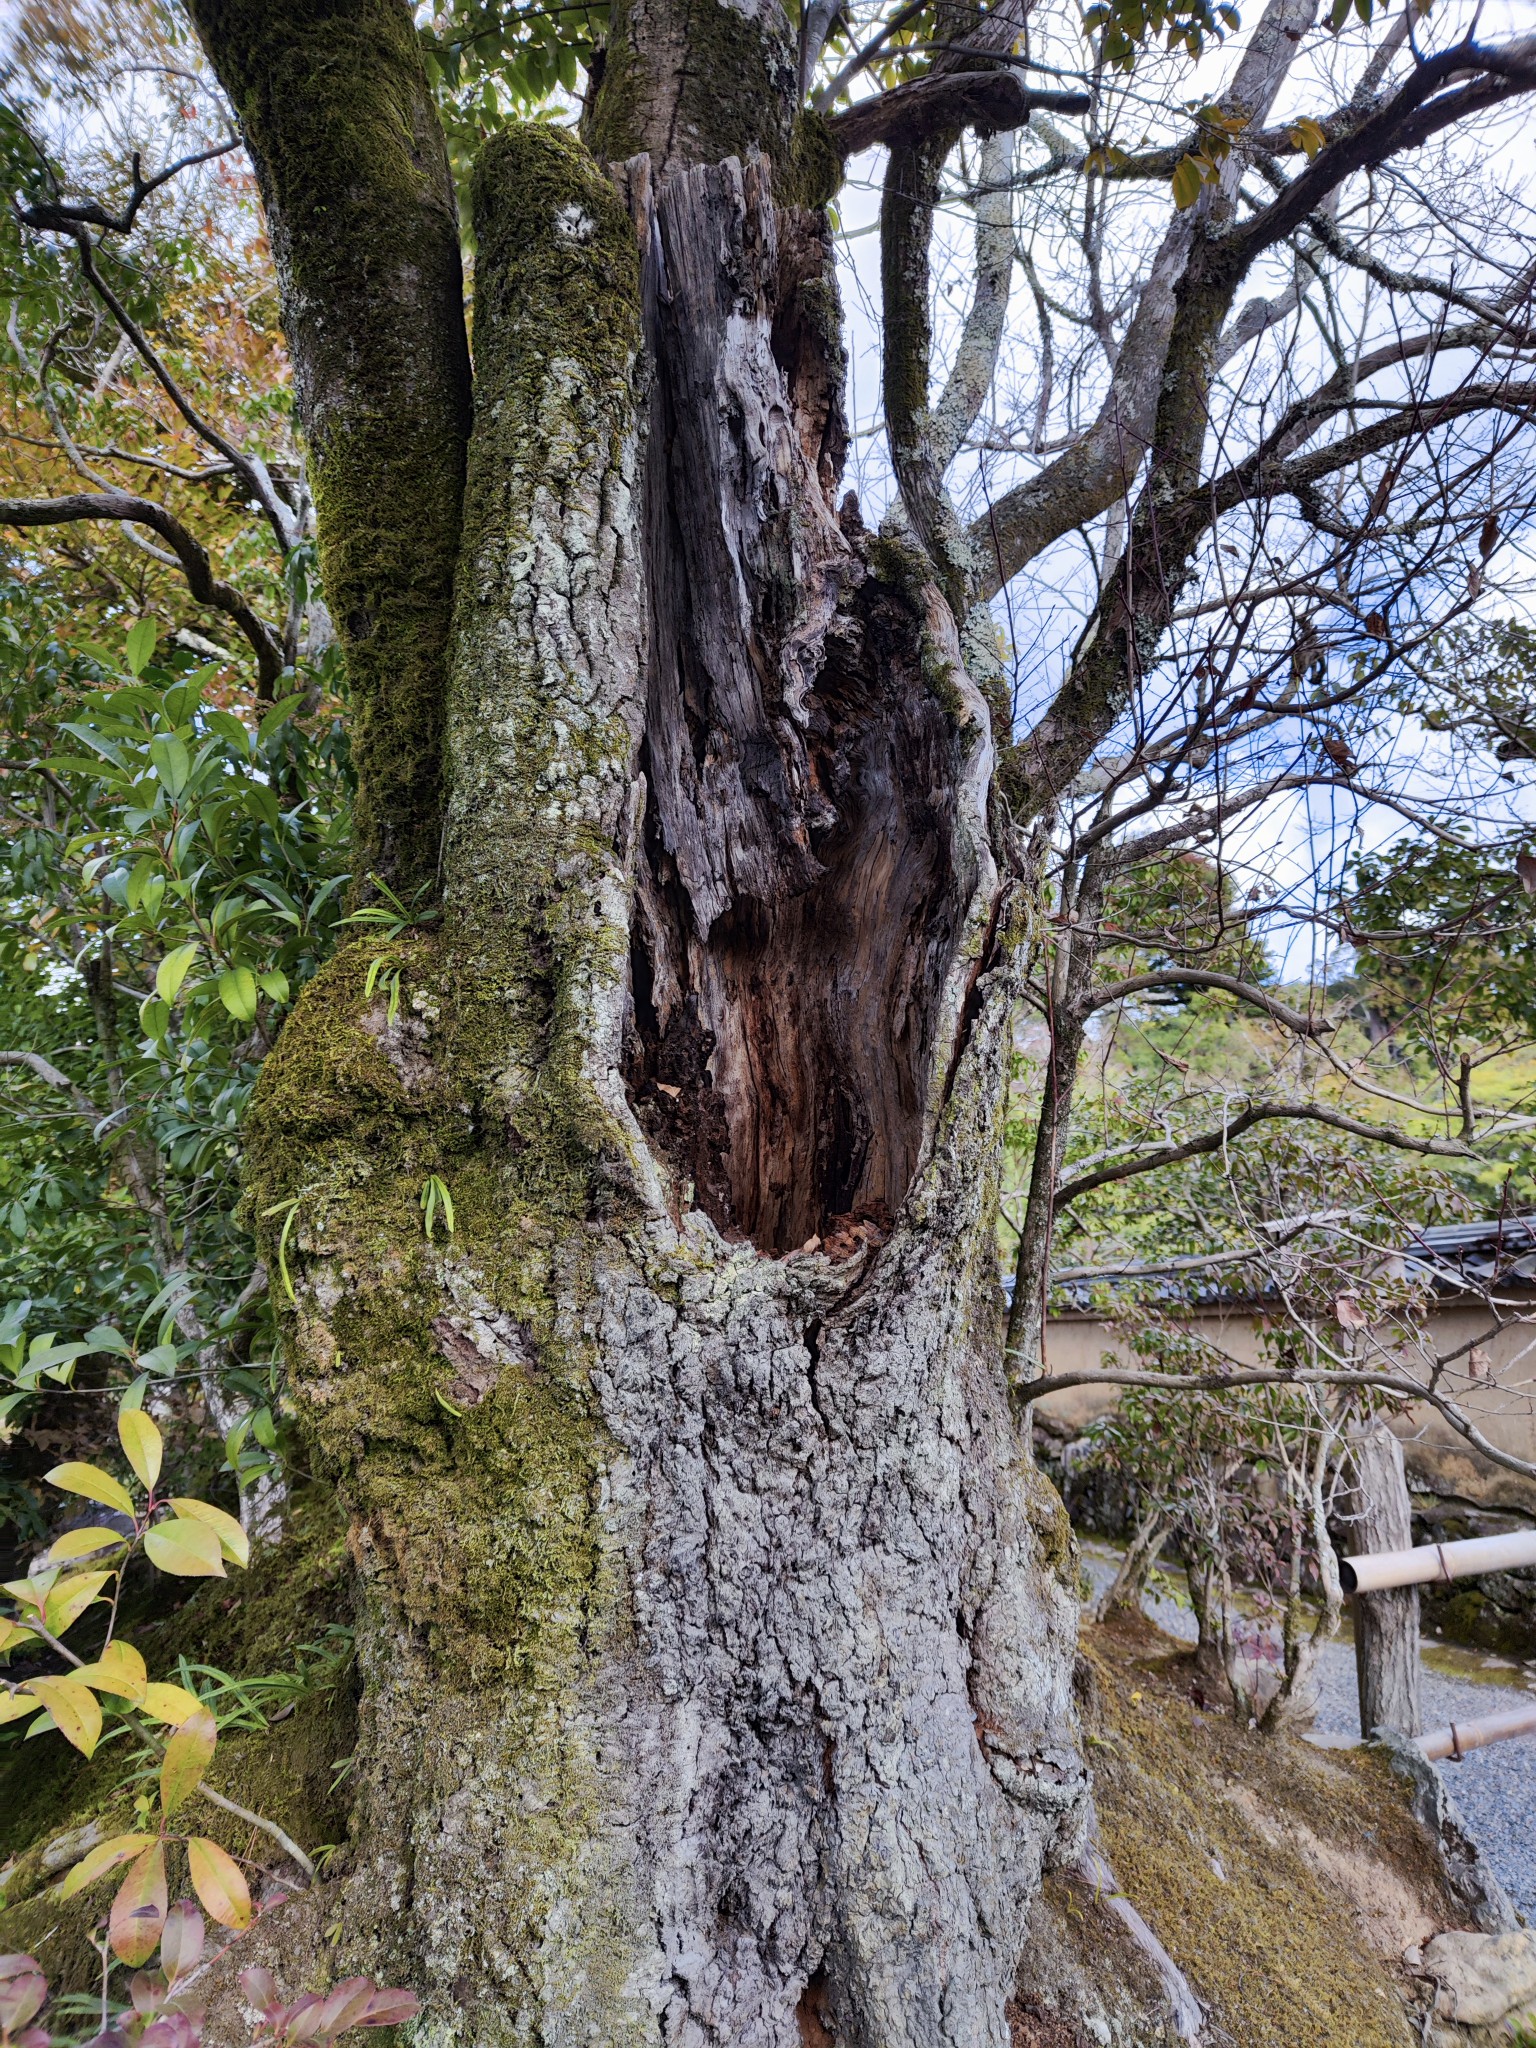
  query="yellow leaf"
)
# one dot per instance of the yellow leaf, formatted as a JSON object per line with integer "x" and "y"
{"x": 138, "y": 1911}
{"x": 13, "y": 1635}
{"x": 232, "y": 1538}
{"x": 187, "y": 1755}
{"x": 75, "y": 1709}
{"x": 118, "y": 1670}
{"x": 217, "y": 1880}
{"x": 94, "y": 1484}
{"x": 13, "y": 1705}
{"x": 170, "y": 1703}
{"x": 83, "y": 1543}
{"x": 187, "y": 1550}
{"x": 71, "y": 1597}
{"x": 31, "y": 1592}
{"x": 141, "y": 1444}
{"x": 1187, "y": 181}
{"x": 104, "y": 1857}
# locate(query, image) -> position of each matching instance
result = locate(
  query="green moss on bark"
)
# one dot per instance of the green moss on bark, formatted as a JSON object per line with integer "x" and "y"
{"x": 333, "y": 103}
{"x": 693, "y": 82}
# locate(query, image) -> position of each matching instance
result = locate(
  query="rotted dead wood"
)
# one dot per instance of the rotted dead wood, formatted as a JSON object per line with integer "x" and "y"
{"x": 799, "y": 892}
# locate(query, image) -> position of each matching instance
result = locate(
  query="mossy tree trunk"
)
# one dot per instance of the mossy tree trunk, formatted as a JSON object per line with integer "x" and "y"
{"x": 718, "y": 1632}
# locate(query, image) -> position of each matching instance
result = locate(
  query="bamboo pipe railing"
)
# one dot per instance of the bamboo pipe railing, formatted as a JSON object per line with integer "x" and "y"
{"x": 1430, "y": 1561}
{"x": 1461, "y": 1736}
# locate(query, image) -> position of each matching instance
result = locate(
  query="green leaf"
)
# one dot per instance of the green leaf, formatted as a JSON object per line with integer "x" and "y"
{"x": 171, "y": 762}
{"x": 185, "y": 1549}
{"x": 237, "y": 992}
{"x": 77, "y": 1543}
{"x": 93, "y": 1484}
{"x": 173, "y": 970}
{"x": 275, "y": 984}
{"x": 140, "y": 646}
{"x": 187, "y": 1756}
{"x": 233, "y": 1541}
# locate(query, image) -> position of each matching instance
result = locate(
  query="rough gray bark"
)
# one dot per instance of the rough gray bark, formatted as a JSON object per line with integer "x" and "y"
{"x": 1387, "y": 1623}
{"x": 718, "y": 1633}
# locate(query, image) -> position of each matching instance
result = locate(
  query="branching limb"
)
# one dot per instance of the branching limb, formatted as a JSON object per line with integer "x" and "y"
{"x": 193, "y": 557}
{"x": 65, "y": 216}
{"x": 942, "y": 103}
{"x": 1246, "y": 1120}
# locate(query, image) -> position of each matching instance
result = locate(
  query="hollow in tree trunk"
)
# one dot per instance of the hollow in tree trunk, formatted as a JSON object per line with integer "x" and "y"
{"x": 717, "y": 1629}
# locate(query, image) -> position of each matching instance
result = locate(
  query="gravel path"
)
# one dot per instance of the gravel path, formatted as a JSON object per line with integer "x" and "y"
{"x": 1495, "y": 1787}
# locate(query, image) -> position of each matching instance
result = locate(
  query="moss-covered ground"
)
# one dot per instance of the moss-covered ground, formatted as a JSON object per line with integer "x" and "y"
{"x": 1284, "y": 1880}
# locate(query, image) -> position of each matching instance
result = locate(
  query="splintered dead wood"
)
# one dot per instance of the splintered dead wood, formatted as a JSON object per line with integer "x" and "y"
{"x": 800, "y": 888}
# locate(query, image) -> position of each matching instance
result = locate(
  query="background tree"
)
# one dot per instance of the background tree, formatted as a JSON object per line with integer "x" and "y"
{"x": 634, "y": 1171}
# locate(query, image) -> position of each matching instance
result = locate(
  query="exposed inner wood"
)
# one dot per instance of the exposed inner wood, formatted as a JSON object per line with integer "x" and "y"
{"x": 797, "y": 900}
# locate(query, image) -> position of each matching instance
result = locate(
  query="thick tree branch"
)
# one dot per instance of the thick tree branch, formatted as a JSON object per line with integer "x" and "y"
{"x": 942, "y": 103}
{"x": 343, "y": 131}
{"x": 205, "y": 586}
{"x": 981, "y": 338}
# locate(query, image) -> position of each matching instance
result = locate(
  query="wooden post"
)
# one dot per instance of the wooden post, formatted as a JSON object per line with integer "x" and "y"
{"x": 1386, "y": 1623}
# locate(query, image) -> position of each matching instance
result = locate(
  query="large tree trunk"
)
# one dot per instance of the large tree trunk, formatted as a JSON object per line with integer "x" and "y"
{"x": 717, "y": 1628}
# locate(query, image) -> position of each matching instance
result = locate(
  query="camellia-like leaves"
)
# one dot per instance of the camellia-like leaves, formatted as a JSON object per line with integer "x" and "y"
{"x": 75, "y": 1709}
{"x": 120, "y": 1671}
{"x": 138, "y": 1911}
{"x": 169, "y": 1703}
{"x": 104, "y": 1857}
{"x": 233, "y": 1541}
{"x": 23, "y": 1987}
{"x": 76, "y": 1543}
{"x": 187, "y": 1756}
{"x": 219, "y": 1883}
{"x": 142, "y": 1444}
{"x": 185, "y": 1549}
{"x": 70, "y": 1597}
{"x": 92, "y": 1483}
{"x": 181, "y": 1944}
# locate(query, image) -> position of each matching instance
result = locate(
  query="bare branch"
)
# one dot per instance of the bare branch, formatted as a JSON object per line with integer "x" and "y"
{"x": 1246, "y": 1120}
{"x": 205, "y": 586}
{"x": 45, "y": 1070}
{"x": 64, "y": 216}
{"x": 1304, "y": 1025}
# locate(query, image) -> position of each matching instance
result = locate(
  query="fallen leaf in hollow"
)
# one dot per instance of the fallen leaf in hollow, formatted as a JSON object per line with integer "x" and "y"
{"x": 1488, "y": 539}
{"x": 1349, "y": 1314}
{"x": 1525, "y": 868}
